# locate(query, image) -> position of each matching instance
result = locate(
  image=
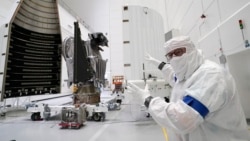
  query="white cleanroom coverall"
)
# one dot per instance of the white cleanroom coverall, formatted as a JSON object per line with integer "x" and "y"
{"x": 204, "y": 103}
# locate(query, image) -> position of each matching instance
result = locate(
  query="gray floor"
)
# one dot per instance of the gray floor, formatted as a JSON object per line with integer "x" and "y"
{"x": 127, "y": 124}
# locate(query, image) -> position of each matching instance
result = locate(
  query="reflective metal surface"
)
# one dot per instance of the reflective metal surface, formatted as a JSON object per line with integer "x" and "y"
{"x": 33, "y": 62}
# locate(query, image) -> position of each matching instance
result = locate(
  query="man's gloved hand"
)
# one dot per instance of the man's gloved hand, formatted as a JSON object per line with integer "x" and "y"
{"x": 152, "y": 60}
{"x": 138, "y": 93}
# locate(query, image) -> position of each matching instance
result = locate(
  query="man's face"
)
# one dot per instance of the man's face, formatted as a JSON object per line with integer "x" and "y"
{"x": 177, "y": 52}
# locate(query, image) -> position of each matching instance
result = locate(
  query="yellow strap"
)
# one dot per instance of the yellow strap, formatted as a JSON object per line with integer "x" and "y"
{"x": 165, "y": 133}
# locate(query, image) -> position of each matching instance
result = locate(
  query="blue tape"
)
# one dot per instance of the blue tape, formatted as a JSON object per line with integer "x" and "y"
{"x": 197, "y": 105}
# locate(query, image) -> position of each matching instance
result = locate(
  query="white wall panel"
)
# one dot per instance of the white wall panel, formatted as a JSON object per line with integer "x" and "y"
{"x": 125, "y": 28}
{"x": 145, "y": 35}
{"x": 157, "y": 5}
{"x": 115, "y": 66}
{"x": 238, "y": 54}
{"x": 191, "y": 18}
{"x": 206, "y": 4}
{"x": 231, "y": 34}
{"x": 228, "y": 7}
{"x": 183, "y": 8}
{"x": 67, "y": 24}
{"x": 172, "y": 8}
{"x": 211, "y": 47}
{"x": 195, "y": 35}
{"x": 94, "y": 13}
{"x": 239, "y": 66}
{"x": 7, "y": 9}
{"x": 211, "y": 21}
{"x": 6, "y": 5}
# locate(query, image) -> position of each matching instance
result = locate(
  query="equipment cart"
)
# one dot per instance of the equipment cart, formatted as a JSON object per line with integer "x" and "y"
{"x": 73, "y": 117}
{"x": 118, "y": 82}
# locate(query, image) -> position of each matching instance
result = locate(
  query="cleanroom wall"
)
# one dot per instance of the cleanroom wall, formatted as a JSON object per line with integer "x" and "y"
{"x": 237, "y": 64}
{"x": 214, "y": 27}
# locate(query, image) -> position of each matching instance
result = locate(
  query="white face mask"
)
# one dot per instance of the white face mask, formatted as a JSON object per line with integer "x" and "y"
{"x": 185, "y": 65}
{"x": 179, "y": 64}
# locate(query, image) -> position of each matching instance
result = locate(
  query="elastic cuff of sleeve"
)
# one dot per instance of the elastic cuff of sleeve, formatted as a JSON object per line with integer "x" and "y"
{"x": 162, "y": 64}
{"x": 147, "y": 101}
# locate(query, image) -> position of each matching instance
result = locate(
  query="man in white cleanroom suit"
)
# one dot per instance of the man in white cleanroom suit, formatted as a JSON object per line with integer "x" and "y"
{"x": 204, "y": 103}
